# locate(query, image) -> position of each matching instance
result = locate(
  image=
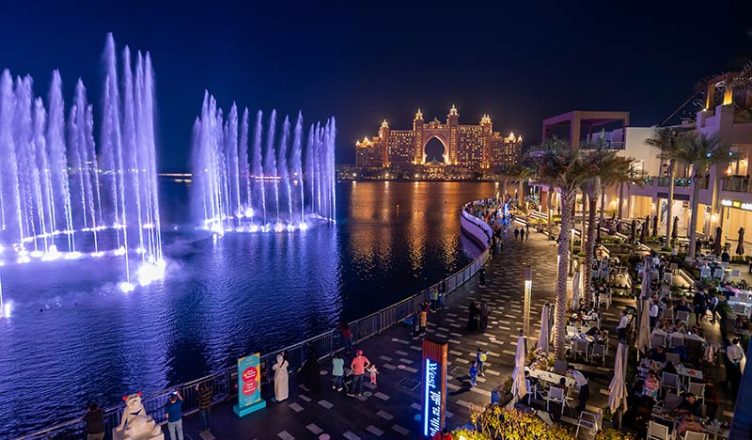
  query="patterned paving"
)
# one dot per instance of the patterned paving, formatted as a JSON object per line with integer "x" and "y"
{"x": 391, "y": 410}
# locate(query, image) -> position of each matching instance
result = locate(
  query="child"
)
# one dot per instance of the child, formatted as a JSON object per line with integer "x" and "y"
{"x": 473, "y": 374}
{"x": 372, "y": 371}
{"x": 338, "y": 371}
{"x": 480, "y": 357}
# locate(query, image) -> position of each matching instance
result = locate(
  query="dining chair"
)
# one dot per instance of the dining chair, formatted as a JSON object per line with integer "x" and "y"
{"x": 691, "y": 435}
{"x": 587, "y": 420}
{"x": 697, "y": 388}
{"x": 675, "y": 340}
{"x": 671, "y": 401}
{"x": 670, "y": 380}
{"x": 683, "y": 316}
{"x": 718, "y": 274}
{"x": 556, "y": 395}
{"x": 560, "y": 367}
{"x": 580, "y": 349}
{"x": 598, "y": 351}
{"x": 656, "y": 431}
{"x": 658, "y": 340}
{"x": 530, "y": 390}
{"x": 673, "y": 358}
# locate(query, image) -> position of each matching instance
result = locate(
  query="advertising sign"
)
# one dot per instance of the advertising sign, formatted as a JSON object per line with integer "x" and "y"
{"x": 434, "y": 386}
{"x": 249, "y": 385}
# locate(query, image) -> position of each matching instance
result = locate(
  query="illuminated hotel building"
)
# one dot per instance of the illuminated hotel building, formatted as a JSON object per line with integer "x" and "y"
{"x": 725, "y": 195}
{"x": 475, "y": 147}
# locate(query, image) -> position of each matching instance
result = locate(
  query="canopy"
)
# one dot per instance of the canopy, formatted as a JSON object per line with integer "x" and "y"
{"x": 519, "y": 387}
{"x": 544, "y": 333}
{"x": 617, "y": 390}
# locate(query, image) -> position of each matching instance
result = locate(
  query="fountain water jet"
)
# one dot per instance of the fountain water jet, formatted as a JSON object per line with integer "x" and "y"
{"x": 275, "y": 181}
{"x": 59, "y": 199}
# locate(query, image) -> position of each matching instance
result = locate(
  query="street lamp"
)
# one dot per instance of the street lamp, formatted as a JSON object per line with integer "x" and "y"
{"x": 528, "y": 288}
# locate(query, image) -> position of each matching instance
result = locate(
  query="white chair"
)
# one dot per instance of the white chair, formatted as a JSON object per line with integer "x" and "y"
{"x": 683, "y": 316}
{"x": 670, "y": 380}
{"x": 580, "y": 349}
{"x": 673, "y": 358}
{"x": 671, "y": 401}
{"x": 691, "y": 435}
{"x": 658, "y": 340}
{"x": 675, "y": 340}
{"x": 605, "y": 299}
{"x": 598, "y": 351}
{"x": 587, "y": 420}
{"x": 735, "y": 273}
{"x": 530, "y": 390}
{"x": 556, "y": 395}
{"x": 656, "y": 431}
{"x": 705, "y": 273}
{"x": 561, "y": 367}
{"x": 571, "y": 331}
{"x": 697, "y": 388}
{"x": 718, "y": 274}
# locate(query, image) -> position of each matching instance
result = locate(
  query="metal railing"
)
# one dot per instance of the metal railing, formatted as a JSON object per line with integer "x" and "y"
{"x": 735, "y": 184}
{"x": 224, "y": 383}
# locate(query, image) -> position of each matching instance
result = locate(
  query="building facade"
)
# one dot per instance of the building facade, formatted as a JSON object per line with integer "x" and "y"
{"x": 475, "y": 147}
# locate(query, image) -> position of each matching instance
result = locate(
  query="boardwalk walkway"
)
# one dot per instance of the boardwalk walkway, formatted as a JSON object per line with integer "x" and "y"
{"x": 393, "y": 409}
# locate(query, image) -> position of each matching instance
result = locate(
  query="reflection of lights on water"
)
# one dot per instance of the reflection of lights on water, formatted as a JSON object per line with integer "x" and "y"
{"x": 126, "y": 287}
{"x": 279, "y": 227}
{"x": 303, "y": 226}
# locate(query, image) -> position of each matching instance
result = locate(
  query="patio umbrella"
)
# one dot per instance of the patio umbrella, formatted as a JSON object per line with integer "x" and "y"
{"x": 617, "y": 390}
{"x": 519, "y": 387}
{"x": 655, "y": 225}
{"x": 576, "y": 289}
{"x": 643, "y": 331}
{"x": 675, "y": 231}
{"x": 544, "y": 333}
{"x": 717, "y": 244}
{"x": 740, "y": 246}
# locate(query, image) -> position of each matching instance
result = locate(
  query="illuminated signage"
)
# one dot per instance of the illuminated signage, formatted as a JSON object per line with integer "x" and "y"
{"x": 249, "y": 385}
{"x": 738, "y": 204}
{"x": 434, "y": 386}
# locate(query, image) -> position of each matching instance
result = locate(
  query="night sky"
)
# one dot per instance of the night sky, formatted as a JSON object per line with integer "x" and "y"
{"x": 518, "y": 61}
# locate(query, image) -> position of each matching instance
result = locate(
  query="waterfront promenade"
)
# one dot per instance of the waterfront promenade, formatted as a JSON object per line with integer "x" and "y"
{"x": 392, "y": 410}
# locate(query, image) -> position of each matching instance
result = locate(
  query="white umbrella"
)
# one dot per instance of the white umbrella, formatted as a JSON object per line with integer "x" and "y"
{"x": 617, "y": 390}
{"x": 576, "y": 290}
{"x": 519, "y": 387}
{"x": 544, "y": 333}
{"x": 643, "y": 331}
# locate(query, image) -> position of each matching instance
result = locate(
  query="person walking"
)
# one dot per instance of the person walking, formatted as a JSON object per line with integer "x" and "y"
{"x": 311, "y": 371}
{"x": 174, "y": 415}
{"x": 472, "y": 320}
{"x": 423, "y": 320}
{"x": 735, "y": 355}
{"x": 338, "y": 371}
{"x": 358, "y": 367}
{"x": 481, "y": 356}
{"x": 94, "y": 420}
{"x": 281, "y": 379}
{"x": 347, "y": 336}
{"x": 653, "y": 310}
{"x": 484, "y": 312}
{"x": 372, "y": 372}
{"x": 700, "y": 306}
{"x": 482, "y": 277}
{"x": 444, "y": 434}
{"x": 516, "y": 233}
{"x": 582, "y": 383}
{"x": 434, "y": 298}
{"x": 473, "y": 374}
{"x": 205, "y": 398}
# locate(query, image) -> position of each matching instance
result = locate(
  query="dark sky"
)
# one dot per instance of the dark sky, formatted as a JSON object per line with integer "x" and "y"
{"x": 518, "y": 61}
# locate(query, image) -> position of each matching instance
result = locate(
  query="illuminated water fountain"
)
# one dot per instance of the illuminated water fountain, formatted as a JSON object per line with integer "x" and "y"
{"x": 62, "y": 196}
{"x": 273, "y": 183}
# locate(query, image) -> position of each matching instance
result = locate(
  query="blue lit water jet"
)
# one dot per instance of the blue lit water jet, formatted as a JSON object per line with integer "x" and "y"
{"x": 229, "y": 194}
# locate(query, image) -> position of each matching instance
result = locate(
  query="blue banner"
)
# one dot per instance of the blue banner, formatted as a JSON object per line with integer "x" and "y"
{"x": 249, "y": 385}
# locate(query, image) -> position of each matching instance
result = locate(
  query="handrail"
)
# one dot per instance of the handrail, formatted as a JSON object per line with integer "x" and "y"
{"x": 223, "y": 382}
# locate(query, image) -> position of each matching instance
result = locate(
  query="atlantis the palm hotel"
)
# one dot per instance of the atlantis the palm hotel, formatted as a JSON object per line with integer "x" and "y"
{"x": 725, "y": 198}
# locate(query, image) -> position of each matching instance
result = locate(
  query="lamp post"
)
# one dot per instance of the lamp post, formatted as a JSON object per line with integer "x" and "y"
{"x": 528, "y": 288}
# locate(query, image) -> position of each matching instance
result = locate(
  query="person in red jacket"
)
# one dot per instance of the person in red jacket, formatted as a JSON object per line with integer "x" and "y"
{"x": 358, "y": 366}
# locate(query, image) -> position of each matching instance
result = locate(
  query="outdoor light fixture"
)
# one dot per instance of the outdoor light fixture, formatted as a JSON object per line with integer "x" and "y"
{"x": 528, "y": 289}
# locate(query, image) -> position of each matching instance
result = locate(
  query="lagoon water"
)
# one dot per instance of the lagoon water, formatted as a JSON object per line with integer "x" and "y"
{"x": 75, "y": 338}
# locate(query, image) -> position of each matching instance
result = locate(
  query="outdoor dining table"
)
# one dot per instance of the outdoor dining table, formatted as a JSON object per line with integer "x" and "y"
{"x": 688, "y": 373}
{"x": 551, "y": 377}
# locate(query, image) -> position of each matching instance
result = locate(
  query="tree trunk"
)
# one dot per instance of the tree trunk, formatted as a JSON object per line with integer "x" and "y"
{"x": 694, "y": 206}
{"x": 549, "y": 199}
{"x": 590, "y": 249}
{"x": 669, "y": 217}
{"x": 560, "y": 315}
{"x": 504, "y": 190}
{"x": 521, "y": 197}
{"x": 621, "y": 200}
{"x": 603, "y": 204}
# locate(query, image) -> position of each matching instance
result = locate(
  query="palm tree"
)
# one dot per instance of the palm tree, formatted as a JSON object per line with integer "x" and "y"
{"x": 608, "y": 168}
{"x": 666, "y": 140}
{"x": 701, "y": 152}
{"x": 521, "y": 174}
{"x": 561, "y": 165}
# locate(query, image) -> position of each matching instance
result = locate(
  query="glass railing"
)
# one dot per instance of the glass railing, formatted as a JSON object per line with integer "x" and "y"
{"x": 683, "y": 182}
{"x": 735, "y": 183}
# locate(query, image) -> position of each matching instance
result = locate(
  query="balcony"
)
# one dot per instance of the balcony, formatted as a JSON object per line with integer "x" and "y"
{"x": 682, "y": 182}
{"x": 735, "y": 184}
{"x": 605, "y": 145}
